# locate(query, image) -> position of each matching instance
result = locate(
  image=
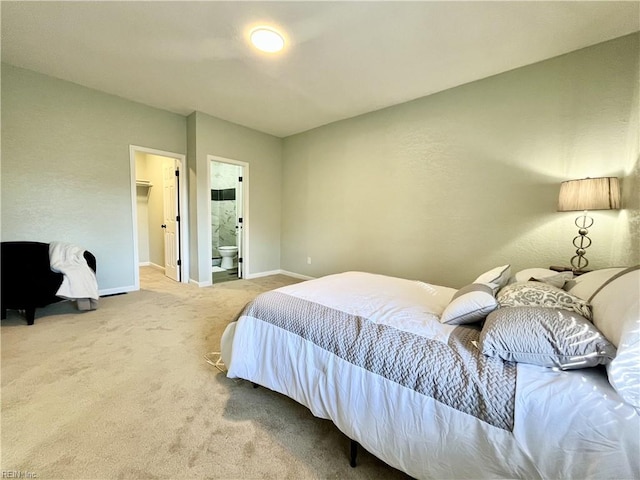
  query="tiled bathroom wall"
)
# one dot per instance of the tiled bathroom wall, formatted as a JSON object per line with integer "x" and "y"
{"x": 224, "y": 179}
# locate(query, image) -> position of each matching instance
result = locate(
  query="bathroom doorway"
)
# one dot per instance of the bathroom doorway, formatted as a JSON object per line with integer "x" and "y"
{"x": 228, "y": 180}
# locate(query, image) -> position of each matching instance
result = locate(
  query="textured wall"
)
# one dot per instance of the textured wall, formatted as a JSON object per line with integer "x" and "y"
{"x": 66, "y": 167}
{"x": 437, "y": 189}
{"x": 447, "y": 186}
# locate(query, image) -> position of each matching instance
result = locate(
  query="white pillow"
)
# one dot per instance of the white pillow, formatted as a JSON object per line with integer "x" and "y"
{"x": 470, "y": 304}
{"x": 613, "y": 301}
{"x": 498, "y": 276}
{"x": 586, "y": 284}
{"x": 614, "y": 294}
{"x": 624, "y": 370}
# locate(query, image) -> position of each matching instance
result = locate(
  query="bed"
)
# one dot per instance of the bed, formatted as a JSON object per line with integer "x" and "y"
{"x": 530, "y": 375}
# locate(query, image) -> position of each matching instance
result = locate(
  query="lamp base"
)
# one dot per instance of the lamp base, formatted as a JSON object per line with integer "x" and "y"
{"x": 557, "y": 268}
{"x": 581, "y": 242}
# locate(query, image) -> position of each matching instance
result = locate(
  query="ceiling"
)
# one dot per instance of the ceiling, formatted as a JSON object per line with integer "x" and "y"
{"x": 341, "y": 59}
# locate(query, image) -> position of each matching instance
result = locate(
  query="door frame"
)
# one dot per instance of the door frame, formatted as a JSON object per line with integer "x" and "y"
{"x": 244, "y": 213}
{"x": 183, "y": 212}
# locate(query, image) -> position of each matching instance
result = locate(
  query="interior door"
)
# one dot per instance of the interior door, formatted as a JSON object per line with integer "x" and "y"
{"x": 240, "y": 221}
{"x": 170, "y": 225}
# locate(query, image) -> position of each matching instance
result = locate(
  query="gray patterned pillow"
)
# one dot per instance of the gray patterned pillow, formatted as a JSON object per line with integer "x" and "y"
{"x": 538, "y": 294}
{"x": 544, "y": 336}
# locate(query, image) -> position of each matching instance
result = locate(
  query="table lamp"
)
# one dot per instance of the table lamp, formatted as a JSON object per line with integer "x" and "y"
{"x": 587, "y": 194}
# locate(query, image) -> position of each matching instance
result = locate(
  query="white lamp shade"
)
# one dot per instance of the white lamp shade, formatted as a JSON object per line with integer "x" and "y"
{"x": 589, "y": 194}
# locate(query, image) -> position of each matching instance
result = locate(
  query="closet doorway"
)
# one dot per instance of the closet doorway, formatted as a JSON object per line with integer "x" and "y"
{"x": 228, "y": 184}
{"x": 159, "y": 210}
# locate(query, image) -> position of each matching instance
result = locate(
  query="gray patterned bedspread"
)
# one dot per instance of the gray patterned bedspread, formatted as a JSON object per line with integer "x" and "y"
{"x": 453, "y": 373}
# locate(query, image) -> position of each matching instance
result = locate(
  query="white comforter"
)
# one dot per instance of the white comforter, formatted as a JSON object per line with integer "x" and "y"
{"x": 565, "y": 424}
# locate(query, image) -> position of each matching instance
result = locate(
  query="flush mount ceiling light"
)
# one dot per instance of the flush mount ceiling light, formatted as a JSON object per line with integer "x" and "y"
{"x": 267, "y": 39}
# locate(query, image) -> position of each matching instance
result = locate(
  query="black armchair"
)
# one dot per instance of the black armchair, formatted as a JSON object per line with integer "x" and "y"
{"x": 27, "y": 279}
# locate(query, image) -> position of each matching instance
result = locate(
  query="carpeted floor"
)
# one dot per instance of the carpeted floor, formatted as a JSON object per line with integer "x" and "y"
{"x": 125, "y": 392}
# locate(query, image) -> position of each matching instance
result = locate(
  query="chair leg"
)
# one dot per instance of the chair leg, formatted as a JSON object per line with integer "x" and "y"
{"x": 4, "y": 313}
{"x": 30, "y": 313}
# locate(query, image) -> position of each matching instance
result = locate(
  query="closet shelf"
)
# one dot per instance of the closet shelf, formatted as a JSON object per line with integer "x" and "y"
{"x": 146, "y": 187}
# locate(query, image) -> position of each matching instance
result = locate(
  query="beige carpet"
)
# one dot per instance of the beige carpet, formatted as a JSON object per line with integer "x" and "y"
{"x": 124, "y": 392}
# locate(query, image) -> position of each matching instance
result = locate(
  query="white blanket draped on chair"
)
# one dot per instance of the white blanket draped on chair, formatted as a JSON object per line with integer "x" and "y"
{"x": 79, "y": 280}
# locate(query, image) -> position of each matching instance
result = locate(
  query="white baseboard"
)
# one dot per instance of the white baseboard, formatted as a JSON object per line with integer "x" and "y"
{"x": 152, "y": 265}
{"x": 279, "y": 272}
{"x": 249, "y": 276}
{"x": 117, "y": 290}
{"x": 296, "y": 275}
{"x": 257, "y": 275}
{"x": 132, "y": 288}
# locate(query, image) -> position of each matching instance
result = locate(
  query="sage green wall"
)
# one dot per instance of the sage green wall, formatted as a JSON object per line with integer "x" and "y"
{"x": 263, "y": 153}
{"x": 447, "y": 186}
{"x": 437, "y": 189}
{"x": 66, "y": 167}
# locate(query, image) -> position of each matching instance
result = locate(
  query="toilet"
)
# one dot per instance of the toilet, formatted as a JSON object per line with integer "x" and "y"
{"x": 228, "y": 254}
